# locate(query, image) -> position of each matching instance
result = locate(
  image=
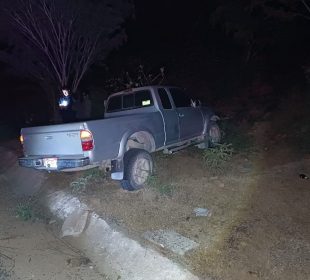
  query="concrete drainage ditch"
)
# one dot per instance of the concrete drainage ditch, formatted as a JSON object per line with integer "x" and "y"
{"x": 114, "y": 253}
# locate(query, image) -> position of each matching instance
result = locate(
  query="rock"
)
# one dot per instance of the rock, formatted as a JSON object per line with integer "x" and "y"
{"x": 202, "y": 212}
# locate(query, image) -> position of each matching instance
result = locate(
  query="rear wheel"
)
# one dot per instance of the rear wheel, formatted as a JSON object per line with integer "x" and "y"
{"x": 138, "y": 166}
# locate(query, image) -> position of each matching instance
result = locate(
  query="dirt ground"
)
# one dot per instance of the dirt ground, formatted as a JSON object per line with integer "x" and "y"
{"x": 259, "y": 227}
{"x": 32, "y": 249}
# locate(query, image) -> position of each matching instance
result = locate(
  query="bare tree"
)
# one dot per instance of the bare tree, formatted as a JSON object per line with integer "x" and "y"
{"x": 65, "y": 36}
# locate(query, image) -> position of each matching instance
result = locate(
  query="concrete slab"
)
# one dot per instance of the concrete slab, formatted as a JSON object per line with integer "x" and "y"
{"x": 171, "y": 240}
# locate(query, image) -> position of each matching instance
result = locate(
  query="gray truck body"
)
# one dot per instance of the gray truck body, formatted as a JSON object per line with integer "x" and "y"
{"x": 146, "y": 125}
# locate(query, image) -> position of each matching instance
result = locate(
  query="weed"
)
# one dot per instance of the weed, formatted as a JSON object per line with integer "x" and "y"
{"x": 152, "y": 181}
{"x": 24, "y": 211}
{"x": 94, "y": 174}
{"x": 240, "y": 140}
{"x": 79, "y": 185}
{"x": 164, "y": 189}
{"x": 90, "y": 175}
{"x": 216, "y": 157}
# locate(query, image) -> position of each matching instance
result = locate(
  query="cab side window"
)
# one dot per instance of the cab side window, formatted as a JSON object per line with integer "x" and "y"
{"x": 180, "y": 98}
{"x": 164, "y": 99}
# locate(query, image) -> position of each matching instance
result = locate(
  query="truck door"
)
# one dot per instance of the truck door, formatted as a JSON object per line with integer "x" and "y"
{"x": 190, "y": 118}
{"x": 170, "y": 117}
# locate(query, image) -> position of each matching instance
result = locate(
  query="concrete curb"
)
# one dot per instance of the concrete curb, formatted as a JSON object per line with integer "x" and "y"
{"x": 118, "y": 255}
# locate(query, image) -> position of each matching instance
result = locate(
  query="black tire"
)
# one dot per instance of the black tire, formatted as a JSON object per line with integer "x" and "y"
{"x": 214, "y": 134}
{"x": 138, "y": 166}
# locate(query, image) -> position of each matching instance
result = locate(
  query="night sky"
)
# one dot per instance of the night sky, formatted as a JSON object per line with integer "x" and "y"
{"x": 216, "y": 49}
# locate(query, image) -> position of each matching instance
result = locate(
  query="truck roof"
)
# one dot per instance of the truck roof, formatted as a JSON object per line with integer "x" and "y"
{"x": 140, "y": 88}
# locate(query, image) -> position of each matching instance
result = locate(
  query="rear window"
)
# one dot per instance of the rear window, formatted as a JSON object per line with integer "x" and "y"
{"x": 132, "y": 100}
{"x": 115, "y": 104}
{"x": 143, "y": 98}
{"x": 128, "y": 101}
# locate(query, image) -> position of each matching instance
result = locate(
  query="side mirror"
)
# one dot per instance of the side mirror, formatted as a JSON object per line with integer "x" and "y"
{"x": 195, "y": 103}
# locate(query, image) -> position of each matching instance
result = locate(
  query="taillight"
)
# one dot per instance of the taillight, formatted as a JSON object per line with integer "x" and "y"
{"x": 21, "y": 139}
{"x": 87, "y": 140}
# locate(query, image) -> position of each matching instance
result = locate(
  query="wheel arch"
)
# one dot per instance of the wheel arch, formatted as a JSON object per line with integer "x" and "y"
{"x": 141, "y": 139}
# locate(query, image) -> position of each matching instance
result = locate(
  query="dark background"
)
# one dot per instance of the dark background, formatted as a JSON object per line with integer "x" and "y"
{"x": 202, "y": 49}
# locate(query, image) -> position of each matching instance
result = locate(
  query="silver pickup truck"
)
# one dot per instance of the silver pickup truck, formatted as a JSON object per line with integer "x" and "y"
{"x": 137, "y": 122}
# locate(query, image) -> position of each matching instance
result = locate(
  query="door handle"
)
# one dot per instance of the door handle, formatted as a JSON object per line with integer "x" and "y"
{"x": 181, "y": 115}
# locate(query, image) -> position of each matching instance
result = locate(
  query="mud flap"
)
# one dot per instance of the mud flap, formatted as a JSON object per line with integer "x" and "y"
{"x": 117, "y": 169}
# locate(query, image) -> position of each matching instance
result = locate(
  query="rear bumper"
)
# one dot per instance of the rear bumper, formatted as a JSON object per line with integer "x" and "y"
{"x": 62, "y": 163}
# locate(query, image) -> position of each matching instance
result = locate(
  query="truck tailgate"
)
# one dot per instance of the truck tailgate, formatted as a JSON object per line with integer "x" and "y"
{"x": 61, "y": 139}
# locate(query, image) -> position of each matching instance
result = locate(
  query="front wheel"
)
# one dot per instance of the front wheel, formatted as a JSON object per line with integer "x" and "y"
{"x": 138, "y": 166}
{"x": 212, "y": 137}
{"x": 214, "y": 134}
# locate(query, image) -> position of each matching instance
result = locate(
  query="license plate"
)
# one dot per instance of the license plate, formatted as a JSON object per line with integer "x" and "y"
{"x": 50, "y": 163}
